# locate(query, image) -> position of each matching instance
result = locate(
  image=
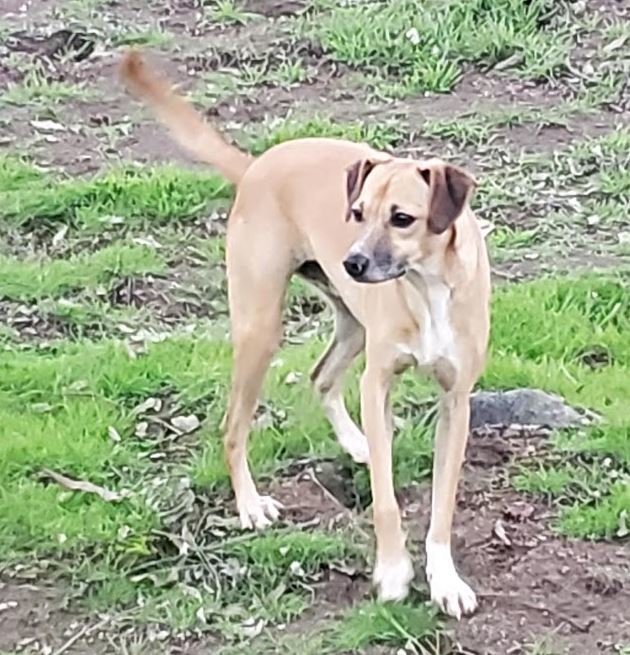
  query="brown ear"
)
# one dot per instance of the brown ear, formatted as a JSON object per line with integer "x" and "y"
{"x": 450, "y": 188}
{"x": 355, "y": 178}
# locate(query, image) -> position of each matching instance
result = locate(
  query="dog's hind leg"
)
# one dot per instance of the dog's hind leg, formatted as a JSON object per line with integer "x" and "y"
{"x": 328, "y": 377}
{"x": 258, "y": 269}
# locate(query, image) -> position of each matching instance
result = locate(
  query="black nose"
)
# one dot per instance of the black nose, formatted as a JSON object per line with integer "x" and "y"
{"x": 356, "y": 265}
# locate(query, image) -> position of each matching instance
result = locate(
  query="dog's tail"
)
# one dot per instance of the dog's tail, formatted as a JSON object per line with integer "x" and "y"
{"x": 186, "y": 124}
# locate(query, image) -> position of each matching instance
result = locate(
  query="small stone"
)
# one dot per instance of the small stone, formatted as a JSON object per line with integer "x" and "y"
{"x": 185, "y": 424}
{"x": 521, "y": 407}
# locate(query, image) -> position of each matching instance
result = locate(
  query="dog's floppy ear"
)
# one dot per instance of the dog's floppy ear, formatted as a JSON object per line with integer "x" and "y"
{"x": 450, "y": 188}
{"x": 355, "y": 178}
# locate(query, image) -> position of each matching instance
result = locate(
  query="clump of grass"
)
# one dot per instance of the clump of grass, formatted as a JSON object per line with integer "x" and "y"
{"x": 379, "y": 135}
{"x": 37, "y": 91}
{"x": 228, "y": 13}
{"x": 129, "y": 196}
{"x": 32, "y": 280}
{"x": 155, "y": 38}
{"x": 424, "y": 44}
{"x": 391, "y": 624}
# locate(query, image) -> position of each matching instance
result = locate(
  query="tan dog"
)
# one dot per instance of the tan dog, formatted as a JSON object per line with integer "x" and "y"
{"x": 345, "y": 216}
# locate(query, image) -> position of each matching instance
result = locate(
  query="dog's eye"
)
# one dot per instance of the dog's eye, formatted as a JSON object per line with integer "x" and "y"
{"x": 402, "y": 220}
{"x": 357, "y": 214}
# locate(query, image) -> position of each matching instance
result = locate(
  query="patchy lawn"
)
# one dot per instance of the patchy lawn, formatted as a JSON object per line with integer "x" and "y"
{"x": 116, "y": 520}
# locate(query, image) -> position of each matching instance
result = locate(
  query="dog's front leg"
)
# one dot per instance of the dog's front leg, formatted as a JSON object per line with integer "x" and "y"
{"x": 448, "y": 590}
{"x": 393, "y": 570}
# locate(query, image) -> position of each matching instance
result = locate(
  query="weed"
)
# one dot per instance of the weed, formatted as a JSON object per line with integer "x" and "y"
{"x": 227, "y": 12}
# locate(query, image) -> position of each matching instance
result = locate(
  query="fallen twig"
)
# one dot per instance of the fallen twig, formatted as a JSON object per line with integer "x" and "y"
{"x": 83, "y": 632}
{"x": 83, "y": 485}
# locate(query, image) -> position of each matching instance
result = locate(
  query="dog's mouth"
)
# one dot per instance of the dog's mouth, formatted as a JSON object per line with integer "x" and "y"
{"x": 377, "y": 276}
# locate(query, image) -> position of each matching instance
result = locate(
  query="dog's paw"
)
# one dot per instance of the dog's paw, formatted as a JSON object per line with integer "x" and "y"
{"x": 356, "y": 445}
{"x": 392, "y": 577}
{"x": 258, "y": 512}
{"x": 448, "y": 590}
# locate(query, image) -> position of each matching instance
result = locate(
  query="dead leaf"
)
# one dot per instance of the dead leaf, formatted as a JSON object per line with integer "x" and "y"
{"x": 252, "y": 628}
{"x": 113, "y": 433}
{"x": 60, "y": 236}
{"x": 48, "y": 126}
{"x": 154, "y": 404}
{"x": 486, "y": 227}
{"x": 500, "y": 533}
{"x": 514, "y": 60}
{"x": 185, "y": 424}
{"x": 519, "y": 511}
{"x": 141, "y": 429}
{"x": 83, "y": 485}
{"x": 41, "y": 408}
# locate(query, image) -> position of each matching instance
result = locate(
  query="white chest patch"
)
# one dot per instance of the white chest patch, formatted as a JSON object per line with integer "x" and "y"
{"x": 430, "y": 303}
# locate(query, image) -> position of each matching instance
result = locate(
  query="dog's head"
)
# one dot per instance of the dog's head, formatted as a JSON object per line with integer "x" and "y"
{"x": 406, "y": 208}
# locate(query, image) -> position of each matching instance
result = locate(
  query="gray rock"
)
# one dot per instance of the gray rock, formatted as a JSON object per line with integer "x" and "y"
{"x": 526, "y": 407}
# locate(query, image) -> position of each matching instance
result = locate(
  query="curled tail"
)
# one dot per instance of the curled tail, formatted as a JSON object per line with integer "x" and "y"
{"x": 188, "y": 127}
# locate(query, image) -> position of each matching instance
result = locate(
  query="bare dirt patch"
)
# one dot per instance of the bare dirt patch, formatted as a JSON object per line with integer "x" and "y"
{"x": 274, "y": 8}
{"x": 30, "y": 323}
{"x": 530, "y": 580}
{"x": 33, "y": 618}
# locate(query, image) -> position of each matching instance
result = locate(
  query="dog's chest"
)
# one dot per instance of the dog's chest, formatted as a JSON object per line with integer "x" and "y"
{"x": 434, "y": 339}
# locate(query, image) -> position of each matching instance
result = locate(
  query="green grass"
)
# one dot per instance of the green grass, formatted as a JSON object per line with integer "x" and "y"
{"x": 127, "y": 197}
{"x": 36, "y": 91}
{"x": 152, "y": 38}
{"x": 540, "y": 332}
{"x": 44, "y": 278}
{"x": 392, "y": 624}
{"x": 539, "y": 328}
{"x": 421, "y": 46}
{"x": 382, "y": 135}
{"x": 229, "y": 13}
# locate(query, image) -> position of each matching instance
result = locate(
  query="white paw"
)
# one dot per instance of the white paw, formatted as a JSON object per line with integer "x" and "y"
{"x": 448, "y": 590}
{"x": 258, "y": 512}
{"x": 392, "y": 577}
{"x": 356, "y": 445}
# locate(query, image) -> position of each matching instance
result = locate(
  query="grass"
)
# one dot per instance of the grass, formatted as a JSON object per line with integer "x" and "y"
{"x": 34, "y": 280}
{"x": 82, "y": 389}
{"x": 37, "y": 91}
{"x": 270, "y": 133}
{"x": 420, "y": 46}
{"x": 60, "y": 405}
{"x": 228, "y": 12}
{"x": 127, "y": 197}
{"x": 152, "y": 38}
{"x": 95, "y": 401}
{"x": 394, "y": 625}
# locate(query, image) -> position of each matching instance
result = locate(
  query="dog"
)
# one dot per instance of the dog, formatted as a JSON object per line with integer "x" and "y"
{"x": 394, "y": 246}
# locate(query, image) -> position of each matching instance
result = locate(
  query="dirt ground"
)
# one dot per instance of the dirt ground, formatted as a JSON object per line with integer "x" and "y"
{"x": 531, "y": 582}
